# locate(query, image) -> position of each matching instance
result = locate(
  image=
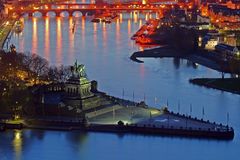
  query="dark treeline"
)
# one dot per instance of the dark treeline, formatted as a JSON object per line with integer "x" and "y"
{"x": 185, "y": 41}
{"x": 20, "y": 71}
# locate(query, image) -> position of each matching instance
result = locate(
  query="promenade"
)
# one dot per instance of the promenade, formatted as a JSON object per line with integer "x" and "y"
{"x": 5, "y": 30}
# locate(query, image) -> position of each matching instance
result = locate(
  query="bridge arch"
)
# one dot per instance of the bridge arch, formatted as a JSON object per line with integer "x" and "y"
{"x": 90, "y": 13}
{"x": 77, "y": 13}
{"x": 64, "y": 14}
{"x": 36, "y": 14}
{"x": 51, "y": 14}
{"x": 25, "y": 14}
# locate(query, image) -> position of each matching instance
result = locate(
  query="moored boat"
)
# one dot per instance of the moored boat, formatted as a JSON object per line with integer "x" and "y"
{"x": 96, "y": 20}
{"x": 18, "y": 28}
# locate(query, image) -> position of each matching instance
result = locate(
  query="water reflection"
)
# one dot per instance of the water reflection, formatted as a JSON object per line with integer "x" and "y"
{"x": 71, "y": 33}
{"x": 59, "y": 40}
{"x": 95, "y": 40}
{"x": 77, "y": 137}
{"x": 121, "y": 17}
{"x": 83, "y": 31}
{"x": 35, "y": 35}
{"x": 118, "y": 33}
{"x": 142, "y": 70}
{"x": 146, "y": 16}
{"x": 47, "y": 39}
{"x": 129, "y": 28}
{"x": 176, "y": 62}
{"x": 140, "y": 23}
{"x": 104, "y": 33}
{"x": 17, "y": 144}
{"x": 135, "y": 17}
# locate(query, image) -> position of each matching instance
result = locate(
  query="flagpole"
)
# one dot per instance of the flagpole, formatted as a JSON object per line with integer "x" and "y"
{"x": 155, "y": 100}
{"x": 203, "y": 112}
{"x": 178, "y": 106}
{"x": 227, "y": 118}
{"x": 133, "y": 96}
{"x": 123, "y": 96}
{"x": 191, "y": 109}
{"x": 123, "y": 93}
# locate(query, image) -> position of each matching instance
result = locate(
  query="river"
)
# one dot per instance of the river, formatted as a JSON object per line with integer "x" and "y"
{"x": 105, "y": 50}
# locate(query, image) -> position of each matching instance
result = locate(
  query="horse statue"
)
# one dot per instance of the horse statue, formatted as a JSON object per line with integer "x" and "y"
{"x": 78, "y": 70}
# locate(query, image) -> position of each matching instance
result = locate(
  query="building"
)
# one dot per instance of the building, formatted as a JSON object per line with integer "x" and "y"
{"x": 209, "y": 43}
{"x": 210, "y": 40}
{"x": 227, "y": 51}
{"x": 233, "y": 4}
{"x": 230, "y": 40}
{"x": 202, "y": 19}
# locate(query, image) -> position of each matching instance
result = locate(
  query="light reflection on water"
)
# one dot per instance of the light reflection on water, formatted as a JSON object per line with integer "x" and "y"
{"x": 17, "y": 144}
{"x": 105, "y": 50}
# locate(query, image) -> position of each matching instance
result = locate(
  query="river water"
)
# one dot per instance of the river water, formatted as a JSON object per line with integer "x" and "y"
{"x": 105, "y": 50}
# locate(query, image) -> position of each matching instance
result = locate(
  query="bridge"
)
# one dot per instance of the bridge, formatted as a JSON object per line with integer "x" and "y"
{"x": 86, "y": 9}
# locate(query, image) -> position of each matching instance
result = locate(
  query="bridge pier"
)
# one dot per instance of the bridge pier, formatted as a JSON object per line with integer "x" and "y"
{"x": 84, "y": 13}
{"x": 44, "y": 14}
{"x": 58, "y": 14}
{"x": 70, "y": 13}
{"x": 30, "y": 14}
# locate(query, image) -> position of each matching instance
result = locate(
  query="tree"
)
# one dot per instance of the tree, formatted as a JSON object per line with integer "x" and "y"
{"x": 35, "y": 66}
{"x": 59, "y": 74}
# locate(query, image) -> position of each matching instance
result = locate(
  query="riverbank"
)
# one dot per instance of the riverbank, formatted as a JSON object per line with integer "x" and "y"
{"x": 146, "y": 35}
{"x": 231, "y": 85}
{"x": 199, "y": 57}
{"x": 6, "y": 28}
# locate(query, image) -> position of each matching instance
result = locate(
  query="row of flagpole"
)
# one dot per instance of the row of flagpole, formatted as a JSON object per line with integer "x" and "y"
{"x": 155, "y": 101}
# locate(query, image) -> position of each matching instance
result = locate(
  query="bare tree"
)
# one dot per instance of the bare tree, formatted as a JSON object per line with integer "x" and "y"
{"x": 59, "y": 74}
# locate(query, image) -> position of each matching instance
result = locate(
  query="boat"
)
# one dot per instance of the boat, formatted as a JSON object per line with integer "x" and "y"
{"x": 96, "y": 20}
{"x": 106, "y": 21}
{"x": 18, "y": 28}
{"x": 114, "y": 15}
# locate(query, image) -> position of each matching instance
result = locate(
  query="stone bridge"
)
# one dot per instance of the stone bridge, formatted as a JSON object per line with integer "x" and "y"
{"x": 85, "y": 9}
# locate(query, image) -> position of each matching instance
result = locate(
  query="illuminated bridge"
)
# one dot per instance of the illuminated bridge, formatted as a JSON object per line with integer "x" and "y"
{"x": 71, "y": 8}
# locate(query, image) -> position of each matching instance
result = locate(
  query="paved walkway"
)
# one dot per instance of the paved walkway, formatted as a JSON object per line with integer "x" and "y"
{"x": 154, "y": 117}
{"x": 128, "y": 115}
